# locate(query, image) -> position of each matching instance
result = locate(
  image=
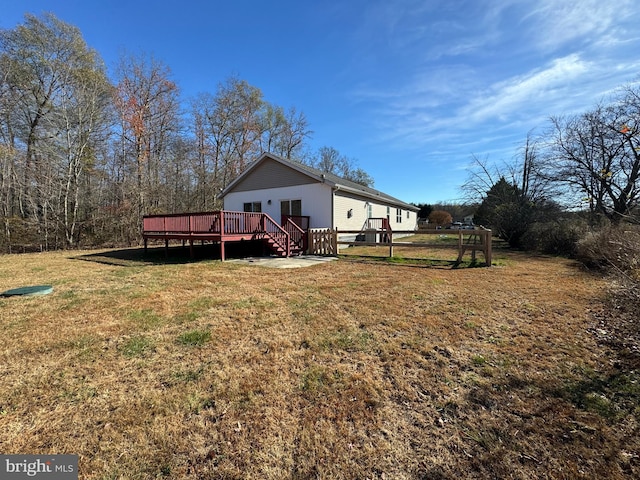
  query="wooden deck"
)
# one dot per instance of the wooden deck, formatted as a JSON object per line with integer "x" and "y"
{"x": 225, "y": 226}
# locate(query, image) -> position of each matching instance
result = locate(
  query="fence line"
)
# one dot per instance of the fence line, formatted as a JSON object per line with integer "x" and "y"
{"x": 326, "y": 241}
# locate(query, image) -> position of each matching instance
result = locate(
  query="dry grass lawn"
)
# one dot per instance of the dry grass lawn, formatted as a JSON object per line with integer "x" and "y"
{"x": 345, "y": 370}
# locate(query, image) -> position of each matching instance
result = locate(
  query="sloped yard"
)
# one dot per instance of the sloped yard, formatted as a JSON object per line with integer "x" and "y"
{"x": 342, "y": 370}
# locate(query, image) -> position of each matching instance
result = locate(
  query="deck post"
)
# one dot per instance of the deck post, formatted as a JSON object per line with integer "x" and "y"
{"x": 166, "y": 247}
{"x": 145, "y": 245}
{"x": 390, "y": 237}
{"x": 191, "y": 248}
{"x": 222, "y": 235}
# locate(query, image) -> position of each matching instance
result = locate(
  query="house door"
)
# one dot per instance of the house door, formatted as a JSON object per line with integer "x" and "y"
{"x": 290, "y": 208}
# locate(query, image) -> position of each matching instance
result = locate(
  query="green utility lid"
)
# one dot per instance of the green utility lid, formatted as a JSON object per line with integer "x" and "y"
{"x": 33, "y": 290}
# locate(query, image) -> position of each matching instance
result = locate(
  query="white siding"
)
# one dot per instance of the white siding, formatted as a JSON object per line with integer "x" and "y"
{"x": 316, "y": 201}
{"x": 360, "y": 213}
{"x": 341, "y": 207}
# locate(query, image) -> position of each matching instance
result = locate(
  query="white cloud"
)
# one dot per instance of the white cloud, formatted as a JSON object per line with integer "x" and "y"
{"x": 487, "y": 77}
{"x": 555, "y": 23}
{"x": 526, "y": 92}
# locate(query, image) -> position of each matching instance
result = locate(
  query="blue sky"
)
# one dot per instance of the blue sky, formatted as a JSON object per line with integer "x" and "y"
{"x": 412, "y": 89}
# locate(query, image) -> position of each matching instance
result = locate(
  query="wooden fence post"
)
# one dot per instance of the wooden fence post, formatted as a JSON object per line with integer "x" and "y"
{"x": 487, "y": 251}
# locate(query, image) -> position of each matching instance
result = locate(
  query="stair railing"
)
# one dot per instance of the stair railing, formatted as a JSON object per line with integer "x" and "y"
{"x": 297, "y": 235}
{"x": 276, "y": 233}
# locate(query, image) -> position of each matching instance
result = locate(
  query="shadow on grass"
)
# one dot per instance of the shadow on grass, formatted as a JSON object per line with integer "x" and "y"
{"x": 158, "y": 255}
{"x": 412, "y": 262}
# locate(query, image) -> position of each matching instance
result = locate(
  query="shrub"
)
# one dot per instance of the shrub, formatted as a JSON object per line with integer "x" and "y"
{"x": 612, "y": 248}
{"x": 558, "y": 237}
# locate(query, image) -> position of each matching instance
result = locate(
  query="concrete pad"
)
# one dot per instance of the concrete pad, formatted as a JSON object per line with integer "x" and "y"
{"x": 278, "y": 262}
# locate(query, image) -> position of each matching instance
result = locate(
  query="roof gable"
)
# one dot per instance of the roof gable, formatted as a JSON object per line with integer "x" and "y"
{"x": 269, "y": 173}
{"x": 272, "y": 171}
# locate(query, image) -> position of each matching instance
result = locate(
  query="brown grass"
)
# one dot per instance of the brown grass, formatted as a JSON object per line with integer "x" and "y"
{"x": 342, "y": 370}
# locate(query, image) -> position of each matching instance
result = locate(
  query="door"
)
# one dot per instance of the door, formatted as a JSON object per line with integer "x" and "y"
{"x": 290, "y": 208}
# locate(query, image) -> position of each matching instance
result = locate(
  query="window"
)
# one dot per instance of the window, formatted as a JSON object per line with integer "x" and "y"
{"x": 398, "y": 215}
{"x": 408, "y": 215}
{"x": 369, "y": 210}
{"x": 291, "y": 207}
{"x": 253, "y": 207}
{"x": 388, "y": 212}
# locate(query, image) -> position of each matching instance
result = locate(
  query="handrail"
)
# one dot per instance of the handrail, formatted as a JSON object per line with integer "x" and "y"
{"x": 301, "y": 221}
{"x": 274, "y": 231}
{"x": 377, "y": 223}
{"x": 297, "y": 235}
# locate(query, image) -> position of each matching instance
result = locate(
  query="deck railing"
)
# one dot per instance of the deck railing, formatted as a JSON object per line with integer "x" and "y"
{"x": 242, "y": 222}
{"x": 192, "y": 223}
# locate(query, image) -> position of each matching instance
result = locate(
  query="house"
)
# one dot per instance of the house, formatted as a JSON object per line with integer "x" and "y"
{"x": 281, "y": 188}
{"x": 274, "y": 189}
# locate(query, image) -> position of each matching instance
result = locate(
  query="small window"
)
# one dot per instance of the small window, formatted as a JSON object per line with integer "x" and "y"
{"x": 369, "y": 210}
{"x": 398, "y": 215}
{"x": 408, "y": 216}
{"x": 253, "y": 207}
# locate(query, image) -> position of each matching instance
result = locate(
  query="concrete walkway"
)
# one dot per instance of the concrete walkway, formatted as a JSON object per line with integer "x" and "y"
{"x": 278, "y": 262}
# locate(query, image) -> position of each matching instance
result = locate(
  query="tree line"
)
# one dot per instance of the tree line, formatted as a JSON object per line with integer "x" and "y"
{"x": 83, "y": 156}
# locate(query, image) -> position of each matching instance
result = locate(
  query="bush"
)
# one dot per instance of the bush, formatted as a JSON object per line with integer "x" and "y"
{"x": 612, "y": 248}
{"x": 559, "y": 237}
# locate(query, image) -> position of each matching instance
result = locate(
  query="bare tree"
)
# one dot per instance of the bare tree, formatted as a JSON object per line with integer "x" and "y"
{"x": 232, "y": 127}
{"x": 513, "y": 196}
{"x": 146, "y": 100}
{"x": 328, "y": 159}
{"x": 83, "y": 121}
{"x": 523, "y": 171}
{"x": 47, "y": 68}
{"x": 286, "y": 131}
{"x": 596, "y": 155}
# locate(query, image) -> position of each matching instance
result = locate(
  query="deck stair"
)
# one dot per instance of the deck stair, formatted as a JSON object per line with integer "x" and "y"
{"x": 375, "y": 230}
{"x": 280, "y": 250}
